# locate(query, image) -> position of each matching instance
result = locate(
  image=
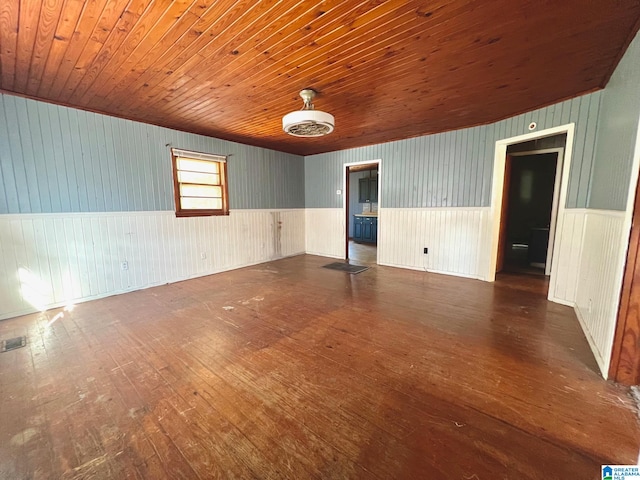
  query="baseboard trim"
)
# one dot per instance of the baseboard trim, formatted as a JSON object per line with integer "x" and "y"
{"x": 439, "y": 272}
{"x": 561, "y": 301}
{"x": 129, "y": 290}
{"x": 318, "y": 254}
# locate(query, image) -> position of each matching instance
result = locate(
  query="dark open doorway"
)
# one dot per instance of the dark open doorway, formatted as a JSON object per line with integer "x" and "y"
{"x": 530, "y": 180}
{"x": 530, "y": 202}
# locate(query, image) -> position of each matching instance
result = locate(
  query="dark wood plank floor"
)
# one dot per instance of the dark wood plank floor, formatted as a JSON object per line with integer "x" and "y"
{"x": 289, "y": 370}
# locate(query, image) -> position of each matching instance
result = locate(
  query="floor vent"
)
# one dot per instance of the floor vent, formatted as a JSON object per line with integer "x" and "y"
{"x": 13, "y": 343}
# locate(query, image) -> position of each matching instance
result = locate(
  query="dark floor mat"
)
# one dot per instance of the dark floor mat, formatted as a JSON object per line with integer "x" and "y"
{"x": 13, "y": 343}
{"x": 345, "y": 267}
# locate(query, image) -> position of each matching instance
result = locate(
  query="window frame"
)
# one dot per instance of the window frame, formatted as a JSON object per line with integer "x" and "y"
{"x": 221, "y": 160}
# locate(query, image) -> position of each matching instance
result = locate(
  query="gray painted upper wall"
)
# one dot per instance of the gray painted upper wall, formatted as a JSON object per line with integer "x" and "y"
{"x": 57, "y": 159}
{"x": 454, "y": 169}
{"x": 617, "y": 130}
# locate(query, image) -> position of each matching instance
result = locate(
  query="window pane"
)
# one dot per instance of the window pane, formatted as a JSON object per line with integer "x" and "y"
{"x": 197, "y": 165}
{"x": 203, "y": 178}
{"x": 187, "y": 190}
{"x": 195, "y": 203}
{"x": 200, "y": 184}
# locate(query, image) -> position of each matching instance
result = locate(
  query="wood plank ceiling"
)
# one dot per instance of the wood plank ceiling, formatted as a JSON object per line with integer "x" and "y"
{"x": 386, "y": 69}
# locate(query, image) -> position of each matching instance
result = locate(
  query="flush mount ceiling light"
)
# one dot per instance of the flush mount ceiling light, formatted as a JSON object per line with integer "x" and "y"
{"x": 308, "y": 122}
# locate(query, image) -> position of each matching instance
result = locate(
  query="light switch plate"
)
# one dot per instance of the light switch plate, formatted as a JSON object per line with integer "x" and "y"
{"x": 338, "y": 192}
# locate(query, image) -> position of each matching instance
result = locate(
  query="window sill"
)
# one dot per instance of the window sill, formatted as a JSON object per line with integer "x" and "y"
{"x": 201, "y": 213}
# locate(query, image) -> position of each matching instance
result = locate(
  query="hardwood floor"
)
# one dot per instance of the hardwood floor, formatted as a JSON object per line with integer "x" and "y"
{"x": 362, "y": 253}
{"x": 289, "y": 370}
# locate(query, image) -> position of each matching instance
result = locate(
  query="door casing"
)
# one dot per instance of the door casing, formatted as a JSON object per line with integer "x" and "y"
{"x": 497, "y": 191}
{"x": 345, "y": 201}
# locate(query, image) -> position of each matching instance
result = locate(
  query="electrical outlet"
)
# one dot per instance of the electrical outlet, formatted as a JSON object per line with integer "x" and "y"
{"x": 124, "y": 265}
{"x": 203, "y": 256}
{"x": 426, "y": 250}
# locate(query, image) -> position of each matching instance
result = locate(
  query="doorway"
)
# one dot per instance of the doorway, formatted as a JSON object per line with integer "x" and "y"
{"x": 362, "y": 182}
{"x": 530, "y": 208}
{"x": 535, "y": 140}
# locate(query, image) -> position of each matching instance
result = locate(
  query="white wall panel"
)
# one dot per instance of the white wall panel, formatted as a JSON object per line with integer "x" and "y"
{"x": 453, "y": 235}
{"x": 53, "y": 259}
{"x": 600, "y": 280}
{"x": 566, "y": 261}
{"x": 325, "y": 232}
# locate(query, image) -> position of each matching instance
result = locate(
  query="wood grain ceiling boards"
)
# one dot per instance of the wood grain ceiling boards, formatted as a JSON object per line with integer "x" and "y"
{"x": 386, "y": 69}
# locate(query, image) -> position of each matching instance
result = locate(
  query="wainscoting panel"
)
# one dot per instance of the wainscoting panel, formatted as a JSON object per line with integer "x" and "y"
{"x": 55, "y": 259}
{"x": 600, "y": 280}
{"x": 325, "y": 232}
{"x": 452, "y": 235}
{"x": 566, "y": 262}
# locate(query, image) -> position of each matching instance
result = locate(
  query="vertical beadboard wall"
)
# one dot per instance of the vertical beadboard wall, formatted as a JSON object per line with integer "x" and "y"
{"x": 59, "y": 159}
{"x": 80, "y": 193}
{"x": 328, "y": 240}
{"x": 454, "y": 169}
{"x": 617, "y": 129}
{"x": 613, "y": 183}
{"x": 566, "y": 262}
{"x": 589, "y": 274}
{"x": 453, "y": 235}
{"x": 599, "y": 280}
{"x": 451, "y": 170}
{"x": 584, "y": 112}
{"x": 443, "y": 170}
{"x": 56, "y": 259}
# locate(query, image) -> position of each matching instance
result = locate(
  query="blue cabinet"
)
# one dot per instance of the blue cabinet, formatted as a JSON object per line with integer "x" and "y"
{"x": 368, "y": 190}
{"x": 374, "y": 229}
{"x": 365, "y": 229}
{"x": 357, "y": 229}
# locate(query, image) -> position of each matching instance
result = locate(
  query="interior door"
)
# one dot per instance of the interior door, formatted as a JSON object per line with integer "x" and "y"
{"x": 504, "y": 215}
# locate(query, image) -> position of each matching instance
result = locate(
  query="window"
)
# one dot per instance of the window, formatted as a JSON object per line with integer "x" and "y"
{"x": 200, "y": 182}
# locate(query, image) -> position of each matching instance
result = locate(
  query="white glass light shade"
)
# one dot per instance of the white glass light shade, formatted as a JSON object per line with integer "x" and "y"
{"x": 308, "y": 123}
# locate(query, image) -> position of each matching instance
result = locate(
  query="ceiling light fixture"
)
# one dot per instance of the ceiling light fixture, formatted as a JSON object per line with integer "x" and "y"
{"x": 308, "y": 122}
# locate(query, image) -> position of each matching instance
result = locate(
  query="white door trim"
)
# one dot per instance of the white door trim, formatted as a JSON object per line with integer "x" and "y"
{"x": 498, "y": 184}
{"x": 345, "y": 200}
